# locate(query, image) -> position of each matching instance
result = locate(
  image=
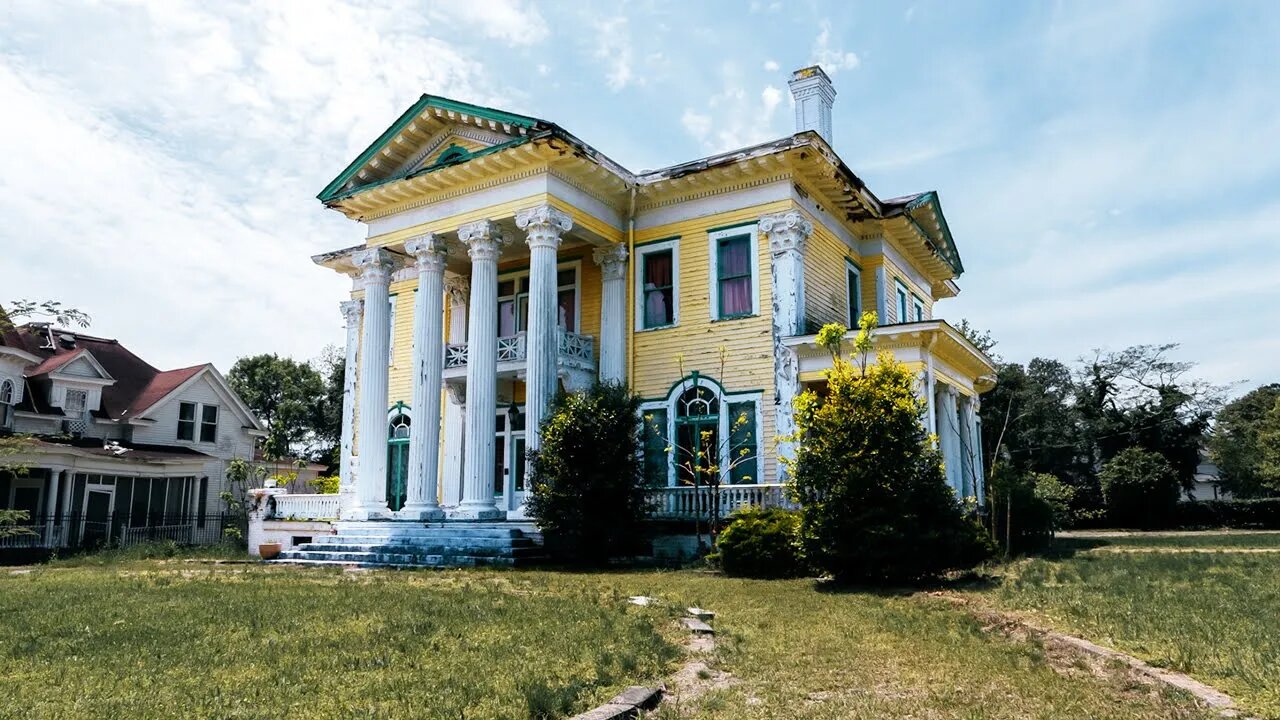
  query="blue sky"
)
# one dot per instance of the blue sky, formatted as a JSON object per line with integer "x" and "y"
{"x": 1111, "y": 170}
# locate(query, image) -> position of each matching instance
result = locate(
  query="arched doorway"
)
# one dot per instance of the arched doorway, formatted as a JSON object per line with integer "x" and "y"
{"x": 397, "y": 455}
{"x": 697, "y": 444}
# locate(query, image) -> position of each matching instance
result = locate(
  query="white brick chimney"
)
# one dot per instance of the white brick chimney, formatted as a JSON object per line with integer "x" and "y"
{"x": 814, "y": 96}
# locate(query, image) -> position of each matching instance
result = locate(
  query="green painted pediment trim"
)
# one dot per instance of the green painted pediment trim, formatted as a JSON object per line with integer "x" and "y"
{"x": 333, "y": 191}
{"x": 948, "y": 250}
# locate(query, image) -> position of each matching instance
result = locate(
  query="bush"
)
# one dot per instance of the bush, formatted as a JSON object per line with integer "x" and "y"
{"x": 588, "y": 493}
{"x": 326, "y": 484}
{"x": 876, "y": 506}
{"x": 1140, "y": 488}
{"x": 1023, "y": 519}
{"x": 760, "y": 544}
{"x": 1258, "y": 514}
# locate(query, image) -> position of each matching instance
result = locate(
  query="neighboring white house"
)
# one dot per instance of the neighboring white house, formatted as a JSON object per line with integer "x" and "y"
{"x": 1207, "y": 485}
{"x": 118, "y": 449}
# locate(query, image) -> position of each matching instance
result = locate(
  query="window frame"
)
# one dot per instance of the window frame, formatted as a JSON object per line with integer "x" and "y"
{"x": 641, "y": 251}
{"x": 917, "y": 308}
{"x": 725, "y": 399}
{"x": 853, "y": 291}
{"x": 714, "y": 239}
{"x": 516, "y": 275}
{"x": 204, "y": 422}
{"x": 191, "y": 423}
{"x": 904, "y": 304}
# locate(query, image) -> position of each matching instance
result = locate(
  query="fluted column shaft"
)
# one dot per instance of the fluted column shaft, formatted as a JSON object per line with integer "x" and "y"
{"x": 543, "y": 226}
{"x": 375, "y": 266}
{"x": 949, "y": 435}
{"x": 422, "y": 500}
{"x": 454, "y": 416}
{"x": 353, "y": 312}
{"x": 968, "y": 481}
{"x": 484, "y": 241}
{"x": 613, "y": 312}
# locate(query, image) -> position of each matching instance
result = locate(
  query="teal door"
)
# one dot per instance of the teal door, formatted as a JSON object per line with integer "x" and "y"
{"x": 397, "y": 459}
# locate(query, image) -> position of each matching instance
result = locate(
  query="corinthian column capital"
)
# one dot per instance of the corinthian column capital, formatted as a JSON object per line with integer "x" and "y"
{"x": 458, "y": 287}
{"x": 543, "y": 225}
{"x": 429, "y": 251}
{"x": 351, "y": 311}
{"x": 375, "y": 265}
{"x": 786, "y": 231}
{"x": 612, "y": 260}
{"x": 483, "y": 239}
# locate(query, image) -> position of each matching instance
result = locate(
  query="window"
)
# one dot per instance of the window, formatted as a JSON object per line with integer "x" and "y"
{"x": 854, "y": 280}
{"x": 7, "y": 396}
{"x": 75, "y": 402}
{"x": 187, "y": 421}
{"x": 733, "y": 281}
{"x": 917, "y": 308}
{"x": 701, "y": 433}
{"x": 658, "y": 285}
{"x": 513, "y": 302}
{"x": 902, "y": 300}
{"x": 208, "y": 423}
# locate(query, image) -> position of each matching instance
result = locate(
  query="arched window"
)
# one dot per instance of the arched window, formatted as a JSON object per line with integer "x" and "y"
{"x": 398, "y": 420}
{"x": 7, "y": 396}
{"x": 702, "y": 434}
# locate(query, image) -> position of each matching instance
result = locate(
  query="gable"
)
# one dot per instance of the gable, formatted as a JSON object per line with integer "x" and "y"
{"x": 424, "y": 133}
{"x": 207, "y": 386}
{"x": 80, "y": 367}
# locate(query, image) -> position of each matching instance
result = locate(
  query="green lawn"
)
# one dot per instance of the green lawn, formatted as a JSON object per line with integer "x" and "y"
{"x": 1205, "y": 540}
{"x": 1213, "y": 615}
{"x": 150, "y": 639}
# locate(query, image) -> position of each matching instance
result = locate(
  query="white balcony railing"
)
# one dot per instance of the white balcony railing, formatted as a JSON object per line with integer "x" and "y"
{"x": 688, "y": 503}
{"x": 306, "y": 507}
{"x": 574, "y": 349}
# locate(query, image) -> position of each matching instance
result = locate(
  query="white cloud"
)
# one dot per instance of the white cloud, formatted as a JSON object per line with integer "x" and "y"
{"x": 697, "y": 124}
{"x": 613, "y": 46}
{"x": 513, "y": 21}
{"x": 831, "y": 59}
{"x": 733, "y": 118}
{"x": 770, "y": 66}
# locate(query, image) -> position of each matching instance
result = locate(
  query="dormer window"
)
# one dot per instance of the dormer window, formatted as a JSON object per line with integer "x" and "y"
{"x": 7, "y": 397}
{"x": 187, "y": 422}
{"x": 76, "y": 402}
{"x": 209, "y": 423}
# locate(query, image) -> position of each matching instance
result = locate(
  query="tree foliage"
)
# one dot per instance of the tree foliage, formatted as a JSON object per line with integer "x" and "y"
{"x": 289, "y": 397}
{"x": 1141, "y": 488}
{"x": 588, "y": 492}
{"x": 760, "y": 543}
{"x": 876, "y": 505}
{"x": 1244, "y": 432}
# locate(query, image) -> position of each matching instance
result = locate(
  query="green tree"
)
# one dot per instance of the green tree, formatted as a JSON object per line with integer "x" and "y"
{"x": 332, "y": 366}
{"x": 875, "y": 503}
{"x": 1141, "y": 488}
{"x": 1237, "y": 442}
{"x": 288, "y": 396}
{"x": 588, "y": 494}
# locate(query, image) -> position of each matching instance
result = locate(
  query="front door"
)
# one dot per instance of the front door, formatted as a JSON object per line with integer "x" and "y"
{"x": 97, "y": 517}
{"x": 397, "y": 458}
{"x": 509, "y": 465}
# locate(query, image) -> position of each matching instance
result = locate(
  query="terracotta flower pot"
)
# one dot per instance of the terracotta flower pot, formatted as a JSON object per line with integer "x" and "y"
{"x": 269, "y": 550}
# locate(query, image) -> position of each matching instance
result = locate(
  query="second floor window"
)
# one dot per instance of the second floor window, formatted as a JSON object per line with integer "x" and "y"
{"x": 209, "y": 423}
{"x": 733, "y": 276}
{"x": 76, "y": 402}
{"x": 917, "y": 308}
{"x": 513, "y": 302}
{"x": 8, "y": 396}
{"x": 657, "y": 282}
{"x": 186, "y": 421}
{"x": 854, "y": 280}
{"x": 902, "y": 301}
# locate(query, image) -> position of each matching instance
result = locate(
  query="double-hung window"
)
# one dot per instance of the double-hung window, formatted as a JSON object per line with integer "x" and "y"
{"x": 733, "y": 266}
{"x": 902, "y": 301}
{"x": 658, "y": 287}
{"x": 917, "y": 308}
{"x": 854, "y": 279}
{"x": 187, "y": 421}
{"x": 208, "y": 423}
{"x": 513, "y": 301}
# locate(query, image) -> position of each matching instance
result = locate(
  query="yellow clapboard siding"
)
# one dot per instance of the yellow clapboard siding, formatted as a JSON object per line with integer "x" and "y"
{"x": 895, "y": 272}
{"x": 664, "y": 356}
{"x": 826, "y": 284}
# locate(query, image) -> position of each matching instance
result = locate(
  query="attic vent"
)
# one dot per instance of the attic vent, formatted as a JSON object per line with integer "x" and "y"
{"x": 67, "y": 341}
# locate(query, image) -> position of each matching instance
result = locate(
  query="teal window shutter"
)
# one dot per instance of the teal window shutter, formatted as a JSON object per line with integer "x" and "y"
{"x": 742, "y": 443}
{"x": 655, "y": 447}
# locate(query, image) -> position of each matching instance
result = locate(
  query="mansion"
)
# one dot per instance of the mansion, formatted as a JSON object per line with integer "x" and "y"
{"x": 506, "y": 259}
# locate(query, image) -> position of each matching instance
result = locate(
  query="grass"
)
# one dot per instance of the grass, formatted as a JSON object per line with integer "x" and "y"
{"x": 1207, "y": 540}
{"x": 1213, "y": 615}
{"x": 149, "y": 638}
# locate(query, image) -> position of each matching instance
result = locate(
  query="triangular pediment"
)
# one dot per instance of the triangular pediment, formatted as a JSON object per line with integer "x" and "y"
{"x": 434, "y": 132}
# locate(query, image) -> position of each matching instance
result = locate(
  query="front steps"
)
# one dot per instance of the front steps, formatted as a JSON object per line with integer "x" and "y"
{"x": 404, "y": 544}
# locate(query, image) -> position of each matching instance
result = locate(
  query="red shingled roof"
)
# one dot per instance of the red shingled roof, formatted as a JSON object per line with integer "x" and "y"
{"x": 160, "y": 386}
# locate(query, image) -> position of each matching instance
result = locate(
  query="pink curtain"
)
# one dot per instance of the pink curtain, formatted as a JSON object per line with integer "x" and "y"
{"x": 735, "y": 289}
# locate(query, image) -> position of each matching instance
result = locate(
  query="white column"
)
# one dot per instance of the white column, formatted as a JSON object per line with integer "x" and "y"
{"x": 371, "y": 476}
{"x": 543, "y": 226}
{"x": 949, "y": 435}
{"x": 422, "y": 501}
{"x": 967, "y": 479}
{"x": 484, "y": 242}
{"x": 787, "y": 233}
{"x": 55, "y": 476}
{"x": 975, "y": 435}
{"x": 454, "y": 417}
{"x": 352, "y": 312}
{"x": 613, "y": 312}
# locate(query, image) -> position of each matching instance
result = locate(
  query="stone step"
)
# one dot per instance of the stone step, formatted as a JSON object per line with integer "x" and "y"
{"x": 400, "y": 541}
{"x": 418, "y": 530}
{"x": 458, "y": 561}
{"x": 433, "y": 548}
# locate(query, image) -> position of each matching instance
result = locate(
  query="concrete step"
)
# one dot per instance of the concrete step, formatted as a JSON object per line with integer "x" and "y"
{"x": 401, "y": 541}
{"x": 461, "y": 561}
{"x": 432, "y": 548}
{"x": 404, "y": 529}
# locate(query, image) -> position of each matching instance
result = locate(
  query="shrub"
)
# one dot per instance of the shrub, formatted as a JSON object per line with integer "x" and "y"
{"x": 326, "y": 484}
{"x": 1256, "y": 514}
{"x": 876, "y": 505}
{"x": 761, "y": 544}
{"x": 588, "y": 493}
{"x": 1140, "y": 488}
{"x": 1022, "y": 518}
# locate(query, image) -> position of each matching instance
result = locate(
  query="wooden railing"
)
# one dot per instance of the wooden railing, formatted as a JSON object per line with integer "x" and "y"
{"x": 573, "y": 348}
{"x": 688, "y": 503}
{"x": 305, "y": 507}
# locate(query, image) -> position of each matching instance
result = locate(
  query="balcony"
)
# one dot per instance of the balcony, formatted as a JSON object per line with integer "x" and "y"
{"x": 575, "y": 359}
